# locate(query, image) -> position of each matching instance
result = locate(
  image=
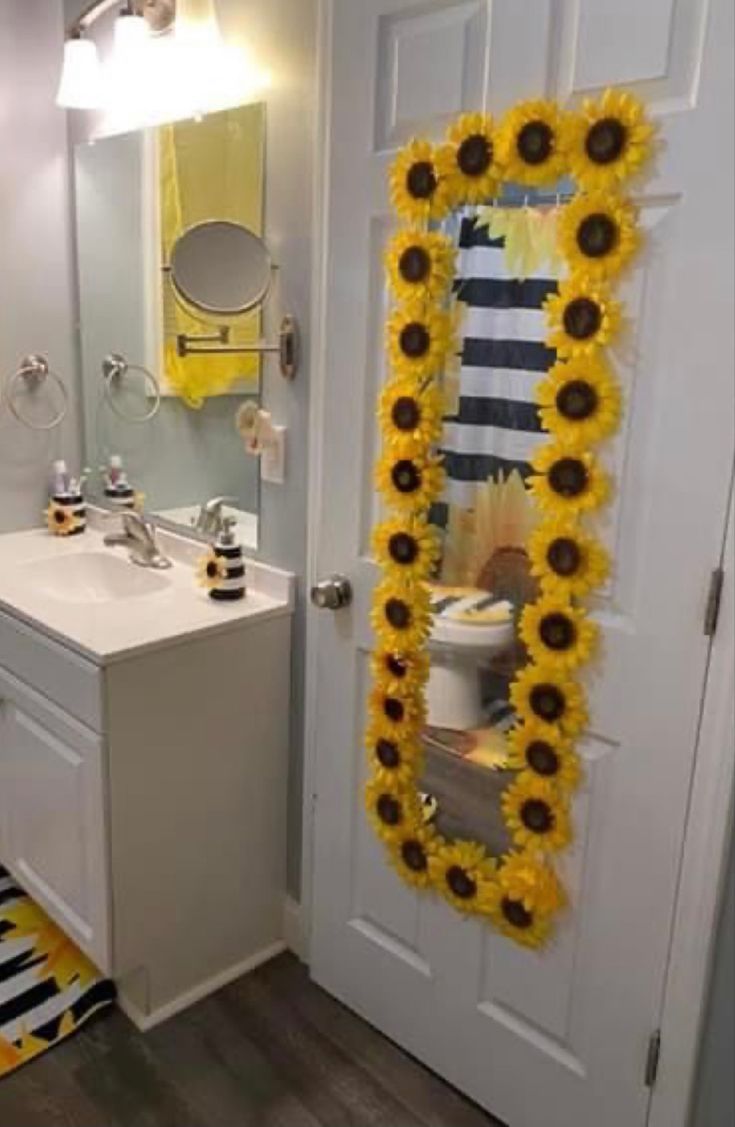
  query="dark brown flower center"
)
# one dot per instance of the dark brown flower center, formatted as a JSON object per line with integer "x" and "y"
{"x": 535, "y": 142}
{"x": 542, "y": 758}
{"x": 577, "y": 400}
{"x": 414, "y": 856}
{"x": 415, "y": 340}
{"x": 403, "y": 548}
{"x": 212, "y": 570}
{"x": 537, "y": 816}
{"x": 60, "y": 516}
{"x": 393, "y": 709}
{"x": 557, "y": 631}
{"x": 597, "y": 235}
{"x": 396, "y": 666}
{"x": 398, "y": 613}
{"x": 568, "y": 477}
{"x": 564, "y": 556}
{"x": 389, "y": 809}
{"x": 582, "y": 318}
{"x": 414, "y": 265}
{"x": 516, "y": 914}
{"x": 406, "y": 413}
{"x": 475, "y": 155}
{"x": 421, "y": 180}
{"x": 386, "y": 752}
{"x": 461, "y": 883}
{"x": 547, "y": 702}
{"x": 606, "y": 140}
{"x": 406, "y": 476}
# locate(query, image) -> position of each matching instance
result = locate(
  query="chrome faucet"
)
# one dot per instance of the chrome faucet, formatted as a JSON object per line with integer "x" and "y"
{"x": 210, "y": 521}
{"x": 139, "y": 536}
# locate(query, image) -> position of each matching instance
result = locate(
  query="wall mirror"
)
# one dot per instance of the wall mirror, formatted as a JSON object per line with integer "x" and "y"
{"x": 173, "y": 272}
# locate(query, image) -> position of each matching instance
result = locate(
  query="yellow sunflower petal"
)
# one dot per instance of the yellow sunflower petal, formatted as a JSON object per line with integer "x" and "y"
{"x": 581, "y": 317}
{"x": 468, "y": 164}
{"x": 568, "y": 561}
{"x": 417, "y": 193}
{"x": 465, "y": 876}
{"x": 420, "y": 338}
{"x": 420, "y": 264}
{"x": 531, "y": 143}
{"x": 409, "y": 484}
{"x": 406, "y": 547}
{"x": 543, "y": 694}
{"x": 598, "y": 234}
{"x": 579, "y": 401}
{"x": 558, "y": 633}
{"x": 536, "y": 814}
{"x": 410, "y": 417}
{"x": 532, "y": 747}
{"x": 608, "y": 140}
{"x": 567, "y": 479}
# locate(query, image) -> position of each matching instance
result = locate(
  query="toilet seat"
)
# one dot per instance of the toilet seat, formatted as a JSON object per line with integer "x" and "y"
{"x": 453, "y": 611}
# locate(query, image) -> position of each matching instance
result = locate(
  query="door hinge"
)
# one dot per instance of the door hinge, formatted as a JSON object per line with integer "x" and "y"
{"x": 714, "y": 598}
{"x": 653, "y": 1058}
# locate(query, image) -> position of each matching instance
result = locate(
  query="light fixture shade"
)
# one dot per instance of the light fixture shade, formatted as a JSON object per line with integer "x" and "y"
{"x": 81, "y": 77}
{"x": 196, "y": 23}
{"x": 131, "y": 37}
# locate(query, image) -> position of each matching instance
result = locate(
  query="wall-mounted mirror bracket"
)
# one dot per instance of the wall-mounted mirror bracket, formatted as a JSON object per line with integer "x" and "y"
{"x": 287, "y": 347}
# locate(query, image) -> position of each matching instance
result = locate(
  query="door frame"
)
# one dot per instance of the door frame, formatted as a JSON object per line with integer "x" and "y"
{"x": 710, "y": 811}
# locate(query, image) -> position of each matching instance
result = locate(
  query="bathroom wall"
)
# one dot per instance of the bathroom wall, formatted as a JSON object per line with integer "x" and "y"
{"x": 36, "y": 278}
{"x": 282, "y": 35}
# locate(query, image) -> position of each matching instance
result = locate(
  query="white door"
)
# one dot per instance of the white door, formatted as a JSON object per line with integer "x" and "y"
{"x": 559, "y": 1038}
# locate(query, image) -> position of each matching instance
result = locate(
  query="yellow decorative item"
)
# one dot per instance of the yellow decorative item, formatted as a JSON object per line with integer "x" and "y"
{"x": 211, "y": 570}
{"x": 608, "y": 140}
{"x": 579, "y": 401}
{"x": 210, "y": 169}
{"x": 419, "y": 339}
{"x": 416, "y": 191}
{"x": 60, "y": 520}
{"x": 420, "y": 264}
{"x": 558, "y": 633}
{"x": 468, "y": 164}
{"x": 581, "y": 316}
{"x": 527, "y": 540}
{"x": 531, "y": 143}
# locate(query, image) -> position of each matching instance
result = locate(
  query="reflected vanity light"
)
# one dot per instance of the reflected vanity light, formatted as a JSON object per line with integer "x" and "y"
{"x": 81, "y": 85}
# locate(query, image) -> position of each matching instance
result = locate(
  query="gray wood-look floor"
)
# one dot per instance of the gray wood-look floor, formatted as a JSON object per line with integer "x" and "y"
{"x": 270, "y": 1050}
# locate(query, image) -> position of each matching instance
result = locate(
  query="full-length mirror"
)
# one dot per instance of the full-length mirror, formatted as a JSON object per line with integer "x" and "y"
{"x": 173, "y": 273}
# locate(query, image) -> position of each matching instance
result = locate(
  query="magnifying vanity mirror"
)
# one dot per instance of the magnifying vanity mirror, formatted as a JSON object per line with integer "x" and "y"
{"x": 173, "y": 276}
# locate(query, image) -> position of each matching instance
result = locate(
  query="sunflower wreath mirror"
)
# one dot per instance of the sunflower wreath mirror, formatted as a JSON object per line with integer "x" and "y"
{"x": 499, "y": 396}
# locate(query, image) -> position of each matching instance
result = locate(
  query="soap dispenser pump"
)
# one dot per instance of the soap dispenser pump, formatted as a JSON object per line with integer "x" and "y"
{"x": 228, "y": 549}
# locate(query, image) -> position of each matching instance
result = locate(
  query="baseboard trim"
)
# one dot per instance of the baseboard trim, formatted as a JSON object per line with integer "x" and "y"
{"x": 293, "y": 928}
{"x": 145, "y": 1022}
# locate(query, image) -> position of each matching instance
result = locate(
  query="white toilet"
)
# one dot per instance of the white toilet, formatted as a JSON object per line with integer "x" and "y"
{"x": 468, "y": 627}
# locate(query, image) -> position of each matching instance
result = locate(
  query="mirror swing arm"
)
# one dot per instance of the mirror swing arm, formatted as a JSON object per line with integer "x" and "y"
{"x": 287, "y": 347}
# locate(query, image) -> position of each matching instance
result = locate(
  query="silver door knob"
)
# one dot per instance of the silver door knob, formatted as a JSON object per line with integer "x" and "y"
{"x": 333, "y": 593}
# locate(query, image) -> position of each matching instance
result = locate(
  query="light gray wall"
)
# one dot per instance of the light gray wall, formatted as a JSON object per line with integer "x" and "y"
{"x": 282, "y": 36}
{"x": 35, "y": 247}
{"x": 714, "y": 1105}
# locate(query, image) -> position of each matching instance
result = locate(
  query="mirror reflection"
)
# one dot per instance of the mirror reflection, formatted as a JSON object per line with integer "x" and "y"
{"x": 173, "y": 272}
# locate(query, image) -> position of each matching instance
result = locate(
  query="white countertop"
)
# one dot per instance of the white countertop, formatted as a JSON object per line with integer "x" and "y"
{"x": 109, "y": 631}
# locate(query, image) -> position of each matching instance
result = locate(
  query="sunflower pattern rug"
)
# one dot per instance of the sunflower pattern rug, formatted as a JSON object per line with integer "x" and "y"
{"x": 48, "y": 988}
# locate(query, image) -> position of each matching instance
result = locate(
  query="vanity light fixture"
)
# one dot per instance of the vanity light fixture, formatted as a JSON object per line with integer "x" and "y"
{"x": 196, "y": 23}
{"x": 81, "y": 77}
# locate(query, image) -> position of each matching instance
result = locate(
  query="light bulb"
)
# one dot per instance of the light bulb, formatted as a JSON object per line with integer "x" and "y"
{"x": 196, "y": 23}
{"x": 131, "y": 37}
{"x": 81, "y": 77}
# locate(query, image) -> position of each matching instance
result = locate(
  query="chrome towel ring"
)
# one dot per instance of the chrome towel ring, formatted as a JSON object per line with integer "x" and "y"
{"x": 114, "y": 370}
{"x": 34, "y": 371}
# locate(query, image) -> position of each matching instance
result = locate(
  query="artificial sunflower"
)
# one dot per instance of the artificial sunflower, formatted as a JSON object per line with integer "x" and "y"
{"x": 567, "y": 479}
{"x": 391, "y": 759}
{"x": 568, "y": 561}
{"x": 400, "y": 671}
{"x": 579, "y": 400}
{"x": 597, "y": 233}
{"x": 540, "y": 692}
{"x": 211, "y": 570}
{"x": 401, "y": 614}
{"x": 545, "y": 753}
{"x": 406, "y": 547}
{"x": 581, "y": 316}
{"x": 395, "y": 714}
{"x": 420, "y": 264}
{"x": 465, "y": 875}
{"x": 391, "y": 808}
{"x": 608, "y": 140}
{"x": 557, "y": 632}
{"x": 60, "y": 520}
{"x": 535, "y": 814}
{"x": 410, "y": 484}
{"x": 531, "y": 143}
{"x": 417, "y": 192}
{"x": 410, "y": 417}
{"x": 420, "y": 337}
{"x": 411, "y": 850}
{"x": 529, "y": 896}
{"x": 468, "y": 162}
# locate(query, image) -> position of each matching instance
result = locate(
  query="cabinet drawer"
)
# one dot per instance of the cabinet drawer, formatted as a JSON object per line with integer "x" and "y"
{"x": 53, "y": 815}
{"x": 58, "y": 673}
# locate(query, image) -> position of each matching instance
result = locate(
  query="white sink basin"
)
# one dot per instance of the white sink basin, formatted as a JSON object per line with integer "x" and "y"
{"x": 92, "y": 577}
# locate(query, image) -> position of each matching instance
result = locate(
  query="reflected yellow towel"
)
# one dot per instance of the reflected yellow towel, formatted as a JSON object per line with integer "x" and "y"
{"x": 211, "y": 169}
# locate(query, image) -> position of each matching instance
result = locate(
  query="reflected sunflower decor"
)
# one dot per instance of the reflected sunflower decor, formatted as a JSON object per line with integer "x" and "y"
{"x": 211, "y": 570}
{"x": 579, "y": 400}
{"x": 61, "y": 520}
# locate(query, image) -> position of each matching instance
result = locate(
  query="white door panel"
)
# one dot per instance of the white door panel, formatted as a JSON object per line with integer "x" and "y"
{"x": 556, "y": 1039}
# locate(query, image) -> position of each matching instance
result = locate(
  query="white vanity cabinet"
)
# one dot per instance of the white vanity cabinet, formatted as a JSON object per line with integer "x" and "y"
{"x": 143, "y": 795}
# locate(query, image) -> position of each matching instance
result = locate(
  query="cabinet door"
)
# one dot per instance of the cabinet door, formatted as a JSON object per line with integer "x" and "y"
{"x": 52, "y": 824}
